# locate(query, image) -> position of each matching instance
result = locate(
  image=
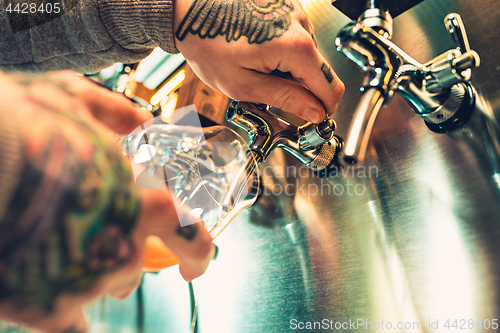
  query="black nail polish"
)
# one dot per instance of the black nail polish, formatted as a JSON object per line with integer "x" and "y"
{"x": 216, "y": 254}
{"x": 188, "y": 232}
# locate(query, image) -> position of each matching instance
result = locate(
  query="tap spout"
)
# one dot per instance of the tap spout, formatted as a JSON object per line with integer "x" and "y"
{"x": 314, "y": 145}
{"x": 361, "y": 126}
{"x": 266, "y": 131}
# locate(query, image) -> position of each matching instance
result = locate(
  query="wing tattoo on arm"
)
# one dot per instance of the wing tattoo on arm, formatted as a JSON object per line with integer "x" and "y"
{"x": 258, "y": 20}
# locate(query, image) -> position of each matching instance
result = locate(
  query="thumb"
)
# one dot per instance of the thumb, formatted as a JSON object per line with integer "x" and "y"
{"x": 284, "y": 94}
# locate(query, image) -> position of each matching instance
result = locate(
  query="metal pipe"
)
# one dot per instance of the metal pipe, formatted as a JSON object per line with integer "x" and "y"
{"x": 361, "y": 126}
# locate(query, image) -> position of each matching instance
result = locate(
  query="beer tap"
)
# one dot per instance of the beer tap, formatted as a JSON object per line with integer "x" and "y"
{"x": 439, "y": 90}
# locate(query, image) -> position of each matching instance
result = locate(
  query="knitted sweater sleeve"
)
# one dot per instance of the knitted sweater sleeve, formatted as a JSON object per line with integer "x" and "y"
{"x": 85, "y": 35}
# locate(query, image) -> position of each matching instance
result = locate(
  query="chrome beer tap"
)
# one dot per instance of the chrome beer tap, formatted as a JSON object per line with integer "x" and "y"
{"x": 438, "y": 90}
{"x": 314, "y": 145}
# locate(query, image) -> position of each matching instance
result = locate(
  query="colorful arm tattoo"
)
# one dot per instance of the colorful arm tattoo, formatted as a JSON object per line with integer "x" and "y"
{"x": 258, "y": 20}
{"x": 70, "y": 217}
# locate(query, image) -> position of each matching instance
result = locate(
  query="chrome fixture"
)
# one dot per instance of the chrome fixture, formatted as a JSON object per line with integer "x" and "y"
{"x": 355, "y": 8}
{"x": 314, "y": 145}
{"x": 438, "y": 90}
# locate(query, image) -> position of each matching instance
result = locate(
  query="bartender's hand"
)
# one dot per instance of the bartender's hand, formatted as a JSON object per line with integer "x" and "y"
{"x": 234, "y": 46}
{"x": 68, "y": 126}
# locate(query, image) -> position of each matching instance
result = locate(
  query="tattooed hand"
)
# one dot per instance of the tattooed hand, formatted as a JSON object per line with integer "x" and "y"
{"x": 72, "y": 222}
{"x": 234, "y": 46}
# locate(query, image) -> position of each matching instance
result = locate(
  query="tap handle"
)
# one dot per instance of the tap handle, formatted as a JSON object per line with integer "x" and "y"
{"x": 455, "y": 65}
{"x": 456, "y": 28}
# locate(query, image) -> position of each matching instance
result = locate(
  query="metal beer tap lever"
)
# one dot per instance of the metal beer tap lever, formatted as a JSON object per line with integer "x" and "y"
{"x": 438, "y": 90}
{"x": 314, "y": 145}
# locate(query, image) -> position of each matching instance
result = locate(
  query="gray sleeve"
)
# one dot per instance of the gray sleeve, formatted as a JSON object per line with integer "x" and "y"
{"x": 11, "y": 147}
{"x": 87, "y": 36}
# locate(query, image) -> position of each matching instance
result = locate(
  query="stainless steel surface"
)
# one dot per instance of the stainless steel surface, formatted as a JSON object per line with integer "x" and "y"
{"x": 413, "y": 238}
{"x": 314, "y": 145}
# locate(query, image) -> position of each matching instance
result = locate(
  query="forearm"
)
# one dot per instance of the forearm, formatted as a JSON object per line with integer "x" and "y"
{"x": 88, "y": 36}
{"x": 70, "y": 205}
